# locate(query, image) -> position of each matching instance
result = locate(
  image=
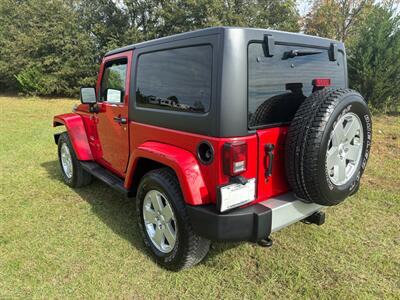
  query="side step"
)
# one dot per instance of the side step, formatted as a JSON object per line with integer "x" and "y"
{"x": 104, "y": 175}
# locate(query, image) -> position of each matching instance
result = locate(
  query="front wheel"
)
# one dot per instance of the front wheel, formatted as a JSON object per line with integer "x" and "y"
{"x": 164, "y": 222}
{"x": 73, "y": 173}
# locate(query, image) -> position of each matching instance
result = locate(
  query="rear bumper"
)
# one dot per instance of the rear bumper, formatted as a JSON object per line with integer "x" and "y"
{"x": 251, "y": 223}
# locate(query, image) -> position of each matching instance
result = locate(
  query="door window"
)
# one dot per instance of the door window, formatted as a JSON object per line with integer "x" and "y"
{"x": 112, "y": 87}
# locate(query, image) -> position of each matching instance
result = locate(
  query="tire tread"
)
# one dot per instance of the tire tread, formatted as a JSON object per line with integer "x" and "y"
{"x": 304, "y": 140}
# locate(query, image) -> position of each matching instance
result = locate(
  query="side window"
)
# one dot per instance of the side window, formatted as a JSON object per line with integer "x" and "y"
{"x": 175, "y": 79}
{"x": 112, "y": 87}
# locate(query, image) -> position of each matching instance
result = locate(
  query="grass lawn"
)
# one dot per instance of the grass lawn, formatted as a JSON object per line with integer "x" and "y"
{"x": 56, "y": 242}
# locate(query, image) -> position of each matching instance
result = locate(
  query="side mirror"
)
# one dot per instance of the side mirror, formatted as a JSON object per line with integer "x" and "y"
{"x": 88, "y": 95}
{"x": 114, "y": 96}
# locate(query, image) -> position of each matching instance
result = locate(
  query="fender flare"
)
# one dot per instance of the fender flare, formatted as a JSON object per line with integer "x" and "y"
{"x": 184, "y": 164}
{"x": 77, "y": 134}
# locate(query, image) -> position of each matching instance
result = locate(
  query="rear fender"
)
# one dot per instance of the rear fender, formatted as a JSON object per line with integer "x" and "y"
{"x": 181, "y": 161}
{"x": 76, "y": 132}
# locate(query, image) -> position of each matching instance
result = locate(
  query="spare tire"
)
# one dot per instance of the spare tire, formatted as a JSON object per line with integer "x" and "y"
{"x": 280, "y": 108}
{"x": 327, "y": 146}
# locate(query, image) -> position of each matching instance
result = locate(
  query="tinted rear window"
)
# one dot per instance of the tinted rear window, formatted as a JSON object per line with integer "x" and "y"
{"x": 279, "y": 84}
{"x": 175, "y": 79}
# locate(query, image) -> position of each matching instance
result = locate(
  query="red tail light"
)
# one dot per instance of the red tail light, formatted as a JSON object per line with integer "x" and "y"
{"x": 321, "y": 82}
{"x": 235, "y": 158}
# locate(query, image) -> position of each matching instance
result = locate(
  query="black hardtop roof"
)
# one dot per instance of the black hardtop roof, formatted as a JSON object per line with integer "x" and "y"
{"x": 221, "y": 29}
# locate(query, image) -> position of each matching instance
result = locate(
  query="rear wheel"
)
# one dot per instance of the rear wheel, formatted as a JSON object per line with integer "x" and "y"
{"x": 327, "y": 146}
{"x": 164, "y": 222}
{"x": 73, "y": 173}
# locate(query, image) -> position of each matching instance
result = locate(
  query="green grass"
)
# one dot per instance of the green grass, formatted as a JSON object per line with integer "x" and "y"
{"x": 56, "y": 242}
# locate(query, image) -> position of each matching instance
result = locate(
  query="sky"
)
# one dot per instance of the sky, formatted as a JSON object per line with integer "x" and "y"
{"x": 303, "y": 7}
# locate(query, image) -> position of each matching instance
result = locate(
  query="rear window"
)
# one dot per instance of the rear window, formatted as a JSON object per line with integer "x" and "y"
{"x": 277, "y": 85}
{"x": 175, "y": 79}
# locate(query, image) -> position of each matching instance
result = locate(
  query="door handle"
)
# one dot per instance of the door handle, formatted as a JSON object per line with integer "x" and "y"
{"x": 268, "y": 148}
{"x": 120, "y": 120}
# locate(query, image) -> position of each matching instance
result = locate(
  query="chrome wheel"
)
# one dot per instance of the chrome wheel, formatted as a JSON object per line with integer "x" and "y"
{"x": 66, "y": 161}
{"x": 344, "y": 149}
{"x": 159, "y": 221}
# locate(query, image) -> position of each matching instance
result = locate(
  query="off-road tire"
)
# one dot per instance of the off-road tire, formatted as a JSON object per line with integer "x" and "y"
{"x": 79, "y": 177}
{"x": 189, "y": 248}
{"x": 307, "y": 142}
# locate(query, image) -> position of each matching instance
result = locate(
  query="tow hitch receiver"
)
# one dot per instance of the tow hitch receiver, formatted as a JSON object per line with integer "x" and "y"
{"x": 317, "y": 218}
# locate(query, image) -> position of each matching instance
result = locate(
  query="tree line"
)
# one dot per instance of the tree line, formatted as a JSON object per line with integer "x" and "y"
{"x": 52, "y": 47}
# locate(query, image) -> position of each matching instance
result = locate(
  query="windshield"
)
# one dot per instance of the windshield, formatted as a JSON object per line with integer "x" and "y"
{"x": 277, "y": 85}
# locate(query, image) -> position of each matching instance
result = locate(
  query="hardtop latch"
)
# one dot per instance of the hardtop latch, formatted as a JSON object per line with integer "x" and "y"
{"x": 269, "y": 45}
{"x": 333, "y": 52}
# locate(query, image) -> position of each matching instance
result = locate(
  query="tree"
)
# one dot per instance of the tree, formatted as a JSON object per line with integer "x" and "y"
{"x": 42, "y": 49}
{"x": 105, "y": 22}
{"x": 53, "y": 47}
{"x": 143, "y": 18}
{"x": 335, "y": 19}
{"x": 374, "y": 59}
{"x": 157, "y": 18}
{"x": 282, "y": 15}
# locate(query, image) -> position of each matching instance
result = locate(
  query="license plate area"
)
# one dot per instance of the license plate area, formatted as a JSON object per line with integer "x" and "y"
{"x": 235, "y": 195}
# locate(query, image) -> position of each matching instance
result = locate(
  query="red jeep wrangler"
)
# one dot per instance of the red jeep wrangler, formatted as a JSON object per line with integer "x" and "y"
{"x": 225, "y": 134}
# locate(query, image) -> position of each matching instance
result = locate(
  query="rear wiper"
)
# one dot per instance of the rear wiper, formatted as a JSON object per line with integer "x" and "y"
{"x": 294, "y": 53}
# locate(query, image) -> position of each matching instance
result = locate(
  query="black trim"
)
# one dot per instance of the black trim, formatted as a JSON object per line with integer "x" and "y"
{"x": 252, "y": 223}
{"x": 120, "y": 50}
{"x": 272, "y": 125}
{"x": 56, "y": 137}
{"x": 106, "y": 176}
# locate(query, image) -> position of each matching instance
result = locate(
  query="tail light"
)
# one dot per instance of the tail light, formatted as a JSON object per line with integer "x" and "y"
{"x": 321, "y": 82}
{"x": 235, "y": 158}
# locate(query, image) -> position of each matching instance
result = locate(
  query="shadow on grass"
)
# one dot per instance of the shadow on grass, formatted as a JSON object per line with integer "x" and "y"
{"x": 116, "y": 210}
{"x": 112, "y": 208}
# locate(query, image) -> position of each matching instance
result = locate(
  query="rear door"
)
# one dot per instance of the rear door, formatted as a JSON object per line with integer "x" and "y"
{"x": 277, "y": 86}
{"x": 112, "y": 119}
